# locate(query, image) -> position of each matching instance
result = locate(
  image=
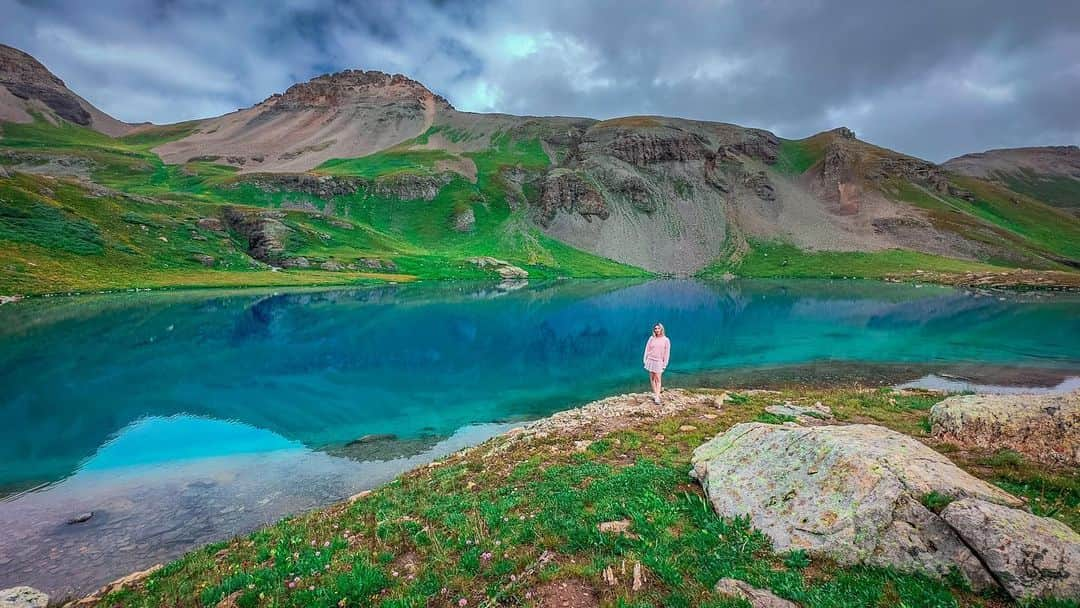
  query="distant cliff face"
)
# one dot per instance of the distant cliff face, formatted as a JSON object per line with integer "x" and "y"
{"x": 664, "y": 194}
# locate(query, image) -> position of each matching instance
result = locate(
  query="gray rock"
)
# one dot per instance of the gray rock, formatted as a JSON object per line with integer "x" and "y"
{"x": 506, "y": 270}
{"x": 464, "y": 220}
{"x": 412, "y": 186}
{"x": 210, "y": 223}
{"x": 1045, "y": 428}
{"x": 23, "y": 597}
{"x": 332, "y": 266}
{"x": 202, "y": 258}
{"x": 816, "y": 414}
{"x": 1030, "y": 556}
{"x": 758, "y": 598}
{"x": 851, "y": 493}
{"x": 80, "y": 518}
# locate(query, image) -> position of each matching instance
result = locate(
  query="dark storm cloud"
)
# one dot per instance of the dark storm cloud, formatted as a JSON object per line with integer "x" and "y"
{"x": 933, "y": 79}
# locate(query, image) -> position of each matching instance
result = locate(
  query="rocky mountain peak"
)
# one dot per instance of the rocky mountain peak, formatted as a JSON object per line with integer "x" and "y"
{"x": 17, "y": 67}
{"x": 343, "y": 88}
{"x": 27, "y": 79}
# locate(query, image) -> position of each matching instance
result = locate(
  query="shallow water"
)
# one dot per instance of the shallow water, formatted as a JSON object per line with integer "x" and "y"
{"x": 179, "y": 418}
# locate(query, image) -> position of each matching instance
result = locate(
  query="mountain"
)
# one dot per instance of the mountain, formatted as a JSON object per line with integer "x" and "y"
{"x": 1050, "y": 174}
{"x": 362, "y": 175}
{"x": 28, "y": 88}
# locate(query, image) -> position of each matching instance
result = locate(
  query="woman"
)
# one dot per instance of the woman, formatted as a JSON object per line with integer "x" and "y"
{"x": 657, "y": 350}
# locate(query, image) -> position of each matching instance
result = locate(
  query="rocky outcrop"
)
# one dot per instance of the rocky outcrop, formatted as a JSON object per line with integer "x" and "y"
{"x": 760, "y": 185}
{"x": 464, "y": 220}
{"x": 322, "y": 186}
{"x": 1030, "y": 556}
{"x": 23, "y": 597}
{"x": 263, "y": 230}
{"x": 506, "y": 270}
{"x": 569, "y": 191}
{"x": 1045, "y": 428}
{"x": 758, "y": 598}
{"x": 651, "y": 146}
{"x": 851, "y": 493}
{"x": 758, "y": 145}
{"x": 411, "y": 186}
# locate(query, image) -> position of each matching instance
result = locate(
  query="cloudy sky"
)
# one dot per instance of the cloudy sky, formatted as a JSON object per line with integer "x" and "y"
{"x": 930, "y": 78}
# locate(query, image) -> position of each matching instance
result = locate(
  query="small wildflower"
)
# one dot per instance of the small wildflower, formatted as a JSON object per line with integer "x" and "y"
{"x": 311, "y": 588}
{"x": 486, "y": 556}
{"x": 318, "y": 553}
{"x": 444, "y": 591}
{"x": 468, "y": 542}
{"x": 394, "y": 573}
{"x": 326, "y": 544}
{"x": 513, "y": 578}
{"x": 312, "y": 543}
{"x": 521, "y": 518}
{"x": 498, "y": 542}
{"x": 463, "y": 602}
{"x": 528, "y": 594}
{"x": 292, "y": 585}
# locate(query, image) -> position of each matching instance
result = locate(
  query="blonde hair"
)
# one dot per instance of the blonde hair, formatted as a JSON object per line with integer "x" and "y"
{"x": 661, "y": 326}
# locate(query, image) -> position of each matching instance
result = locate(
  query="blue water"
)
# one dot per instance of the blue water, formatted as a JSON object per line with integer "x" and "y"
{"x": 99, "y": 381}
{"x": 184, "y": 418}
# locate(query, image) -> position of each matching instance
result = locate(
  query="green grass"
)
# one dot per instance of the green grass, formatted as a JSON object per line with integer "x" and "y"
{"x": 1058, "y": 191}
{"x": 58, "y": 237}
{"x": 386, "y": 163}
{"x": 796, "y": 156}
{"x": 781, "y": 260}
{"x": 493, "y": 525}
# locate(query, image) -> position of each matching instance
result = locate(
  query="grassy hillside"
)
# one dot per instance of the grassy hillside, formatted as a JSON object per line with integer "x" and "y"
{"x": 513, "y": 522}
{"x": 142, "y": 230}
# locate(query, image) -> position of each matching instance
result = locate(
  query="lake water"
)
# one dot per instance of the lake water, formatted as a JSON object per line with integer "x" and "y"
{"x": 183, "y": 418}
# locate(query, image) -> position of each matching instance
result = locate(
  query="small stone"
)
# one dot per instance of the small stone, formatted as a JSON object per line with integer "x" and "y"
{"x": 80, "y": 518}
{"x": 686, "y": 428}
{"x": 758, "y": 598}
{"x": 23, "y": 597}
{"x": 616, "y": 527}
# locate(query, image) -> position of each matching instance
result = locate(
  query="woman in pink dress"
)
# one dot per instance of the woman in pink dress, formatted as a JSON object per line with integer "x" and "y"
{"x": 657, "y": 350}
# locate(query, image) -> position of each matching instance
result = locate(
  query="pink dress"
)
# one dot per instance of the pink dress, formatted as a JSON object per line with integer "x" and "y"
{"x": 657, "y": 351}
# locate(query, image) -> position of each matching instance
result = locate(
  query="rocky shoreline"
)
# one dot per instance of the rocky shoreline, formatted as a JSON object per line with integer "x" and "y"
{"x": 840, "y": 478}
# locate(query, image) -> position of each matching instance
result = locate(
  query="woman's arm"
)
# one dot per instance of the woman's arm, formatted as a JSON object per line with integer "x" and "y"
{"x": 667, "y": 351}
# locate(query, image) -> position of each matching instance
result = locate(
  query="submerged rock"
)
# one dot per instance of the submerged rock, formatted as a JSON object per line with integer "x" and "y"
{"x": 851, "y": 493}
{"x": 1030, "y": 556}
{"x": 1045, "y": 428}
{"x": 23, "y": 597}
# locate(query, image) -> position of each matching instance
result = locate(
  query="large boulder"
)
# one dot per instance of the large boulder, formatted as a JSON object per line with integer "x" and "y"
{"x": 1046, "y": 428}
{"x": 23, "y": 597}
{"x": 852, "y": 493}
{"x": 1030, "y": 556}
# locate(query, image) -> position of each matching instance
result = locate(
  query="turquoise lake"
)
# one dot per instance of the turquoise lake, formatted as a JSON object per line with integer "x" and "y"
{"x": 182, "y": 418}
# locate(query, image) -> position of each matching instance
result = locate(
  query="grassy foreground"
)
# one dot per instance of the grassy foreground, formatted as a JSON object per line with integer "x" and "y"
{"x": 515, "y": 523}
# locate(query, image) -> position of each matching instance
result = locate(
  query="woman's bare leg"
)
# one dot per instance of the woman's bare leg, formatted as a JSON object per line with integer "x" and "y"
{"x": 654, "y": 380}
{"x": 659, "y": 384}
